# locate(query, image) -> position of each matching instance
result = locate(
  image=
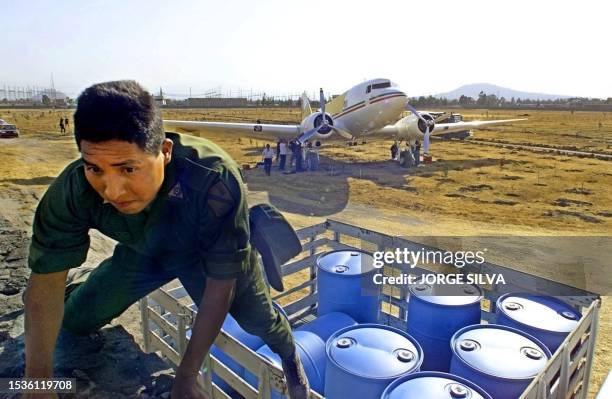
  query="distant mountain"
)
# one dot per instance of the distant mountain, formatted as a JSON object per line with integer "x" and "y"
{"x": 473, "y": 90}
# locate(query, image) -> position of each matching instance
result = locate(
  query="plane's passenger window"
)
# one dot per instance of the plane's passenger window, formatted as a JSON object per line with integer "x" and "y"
{"x": 369, "y": 89}
{"x": 383, "y": 85}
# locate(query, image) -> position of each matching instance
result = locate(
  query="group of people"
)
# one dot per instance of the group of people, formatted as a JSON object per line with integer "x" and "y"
{"x": 63, "y": 125}
{"x": 302, "y": 157}
{"x": 412, "y": 154}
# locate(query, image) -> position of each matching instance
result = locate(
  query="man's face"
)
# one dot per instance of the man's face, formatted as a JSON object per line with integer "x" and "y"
{"x": 123, "y": 174}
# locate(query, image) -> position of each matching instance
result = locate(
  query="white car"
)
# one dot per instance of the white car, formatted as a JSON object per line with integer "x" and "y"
{"x": 7, "y": 130}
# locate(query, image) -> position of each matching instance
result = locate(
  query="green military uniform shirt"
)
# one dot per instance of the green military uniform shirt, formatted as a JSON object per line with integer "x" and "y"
{"x": 199, "y": 215}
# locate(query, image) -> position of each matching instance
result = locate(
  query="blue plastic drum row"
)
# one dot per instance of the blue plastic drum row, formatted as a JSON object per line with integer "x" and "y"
{"x": 342, "y": 359}
{"x": 310, "y": 342}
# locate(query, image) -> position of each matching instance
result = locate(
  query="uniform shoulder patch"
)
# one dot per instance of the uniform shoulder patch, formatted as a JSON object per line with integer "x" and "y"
{"x": 219, "y": 199}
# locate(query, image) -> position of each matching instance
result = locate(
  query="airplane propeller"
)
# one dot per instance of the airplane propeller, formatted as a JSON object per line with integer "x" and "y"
{"x": 428, "y": 125}
{"x": 305, "y": 136}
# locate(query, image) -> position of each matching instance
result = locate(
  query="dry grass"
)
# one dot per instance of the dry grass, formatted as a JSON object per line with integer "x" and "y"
{"x": 469, "y": 190}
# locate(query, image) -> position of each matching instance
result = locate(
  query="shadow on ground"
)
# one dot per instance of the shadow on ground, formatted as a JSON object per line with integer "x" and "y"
{"x": 326, "y": 191}
{"x": 107, "y": 364}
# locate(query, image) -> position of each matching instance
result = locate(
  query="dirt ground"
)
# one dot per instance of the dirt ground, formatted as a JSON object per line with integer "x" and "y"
{"x": 469, "y": 189}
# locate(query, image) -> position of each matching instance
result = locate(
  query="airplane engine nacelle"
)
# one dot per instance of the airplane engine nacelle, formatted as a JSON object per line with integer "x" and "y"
{"x": 315, "y": 120}
{"x": 413, "y": 128}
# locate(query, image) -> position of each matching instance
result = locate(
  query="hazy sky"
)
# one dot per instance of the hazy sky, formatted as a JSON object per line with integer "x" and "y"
{"x": 557, "y": 47}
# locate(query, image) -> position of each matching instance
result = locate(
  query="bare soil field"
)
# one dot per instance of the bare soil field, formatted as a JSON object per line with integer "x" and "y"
{"x": 468, "y": 190}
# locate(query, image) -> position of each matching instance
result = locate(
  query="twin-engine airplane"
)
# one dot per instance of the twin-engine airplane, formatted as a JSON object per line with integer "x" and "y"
{"x": 372, "y": 108}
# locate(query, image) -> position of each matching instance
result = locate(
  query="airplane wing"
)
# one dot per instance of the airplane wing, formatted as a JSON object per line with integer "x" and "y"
{"x": 229, "y": 127}
{"x": 389, "y": 130}
{"x": 440, "y": 128}
{"x": 460, "y": 126}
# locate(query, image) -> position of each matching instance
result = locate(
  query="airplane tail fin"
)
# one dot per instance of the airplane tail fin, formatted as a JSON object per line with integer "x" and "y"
{"x": 306, "y": 110}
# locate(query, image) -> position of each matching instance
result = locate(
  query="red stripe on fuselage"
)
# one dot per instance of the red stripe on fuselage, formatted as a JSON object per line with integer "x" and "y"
{"x": 349, "y": 111}
{"x": 392, "y": 95}
{"x": 388, "y": 97}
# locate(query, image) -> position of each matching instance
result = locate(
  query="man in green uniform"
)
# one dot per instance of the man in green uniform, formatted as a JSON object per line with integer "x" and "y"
{"x": 177, "y": 207}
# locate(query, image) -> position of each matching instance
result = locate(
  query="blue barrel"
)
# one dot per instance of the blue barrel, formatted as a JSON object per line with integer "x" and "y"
{"x": 312, "y": 353}
{"x": 500, "y": 359}
{"x": 436, "y": 313}
{"x": 547, "y": 318}
{"x": 362, "y": 360}
{"x": 231, "y": 327}
{"x": 433, "y": 385}
{"x": 341, "y": 276}
{"x": 328, "y": 324}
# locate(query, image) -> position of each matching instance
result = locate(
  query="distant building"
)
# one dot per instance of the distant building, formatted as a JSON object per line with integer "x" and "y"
{"x": 217, "y": 102}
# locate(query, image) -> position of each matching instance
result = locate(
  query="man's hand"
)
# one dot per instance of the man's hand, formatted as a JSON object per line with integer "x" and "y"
{"x": 216, "y": 302}
{"x": 44, "y": 310}
{"x": 187, "y": 387}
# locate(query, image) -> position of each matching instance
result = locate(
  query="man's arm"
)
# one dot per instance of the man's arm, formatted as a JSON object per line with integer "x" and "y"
{"x": 215, "y": 304}
{"x": 44, "y": 311}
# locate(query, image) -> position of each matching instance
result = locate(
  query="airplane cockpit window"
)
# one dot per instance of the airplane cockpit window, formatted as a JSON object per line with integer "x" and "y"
{"x": 369, "y": 89}
{"x": 382, "y": 85}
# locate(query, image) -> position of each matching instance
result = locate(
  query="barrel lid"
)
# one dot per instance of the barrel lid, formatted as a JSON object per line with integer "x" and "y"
{"x": 500, "y": 351}
{"x": 437, "y": 386}
{"x": 539, "y": 311}
{"x": 389, "y": 352}
{"x": 447, "y": 294}
{"x": 346, "y": 263}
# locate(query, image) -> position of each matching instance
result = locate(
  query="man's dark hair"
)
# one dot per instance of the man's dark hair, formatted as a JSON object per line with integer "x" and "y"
{"x": 120, "y": 110}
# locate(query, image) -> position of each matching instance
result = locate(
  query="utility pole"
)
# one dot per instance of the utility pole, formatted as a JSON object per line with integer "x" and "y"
{"x": 53, "y": 91}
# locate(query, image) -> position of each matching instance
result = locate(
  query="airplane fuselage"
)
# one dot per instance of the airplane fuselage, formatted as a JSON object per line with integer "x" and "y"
{"x": 370, "y": 106}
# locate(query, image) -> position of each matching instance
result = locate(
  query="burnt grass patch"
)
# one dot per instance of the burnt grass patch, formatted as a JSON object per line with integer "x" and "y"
{"x": 581, "y": 191}
{"x": 475, "y": 188}
{"x": 504, "y": 202}
{"x": 559, "y": 213}
{"x": 564, "y": 202}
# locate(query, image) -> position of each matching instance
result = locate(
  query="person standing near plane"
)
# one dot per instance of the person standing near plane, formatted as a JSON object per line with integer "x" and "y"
{"x": 417, "y": 153}
{"x": 61, "y": 125}
{"x": 394, "y": 149}
{"x": 282, "y": 154}
{"x": 411, "y": 150}
{"x": 292, "y": 151}
{"x": 299, "y": 159}
{"x": 268, "y": 155}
